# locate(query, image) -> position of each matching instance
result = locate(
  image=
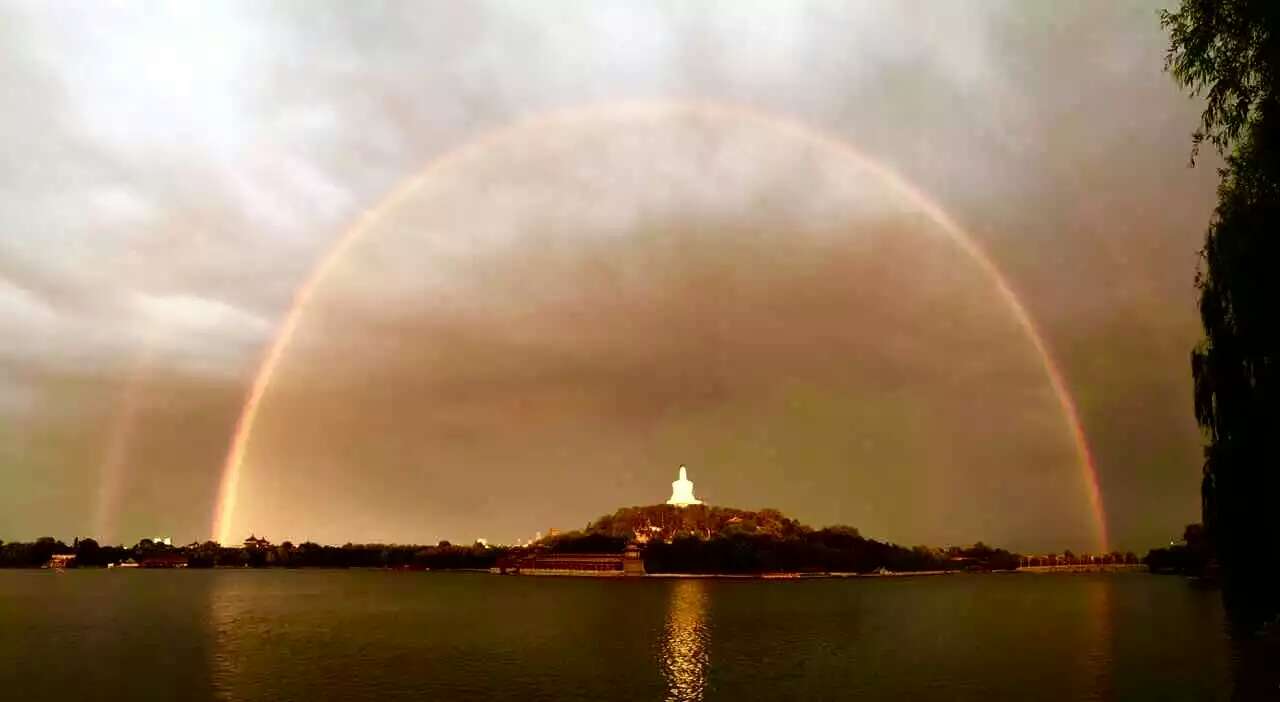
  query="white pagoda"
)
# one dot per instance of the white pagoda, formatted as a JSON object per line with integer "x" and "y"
{"x": 682, "y": 491}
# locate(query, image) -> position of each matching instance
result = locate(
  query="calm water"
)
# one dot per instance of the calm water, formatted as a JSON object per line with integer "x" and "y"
{"x": 311, "y": 635}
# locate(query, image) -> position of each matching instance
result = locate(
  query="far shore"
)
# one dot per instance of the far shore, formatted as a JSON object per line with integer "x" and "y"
{"x": 1033, "y": 570}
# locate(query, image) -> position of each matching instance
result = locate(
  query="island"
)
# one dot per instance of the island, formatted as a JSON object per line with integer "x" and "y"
{"x": 682, "y": 537}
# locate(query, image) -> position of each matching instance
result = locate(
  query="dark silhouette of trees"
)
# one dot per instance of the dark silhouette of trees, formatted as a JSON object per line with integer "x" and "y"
{"x": 832, "y": 550}
{"x": 1196, "y": 541}
{"x": 691, "y": 540}
{"x": 1191, "y": 557}
{"x": 88, "y": 553}
{"x": 285, "y": 555}
{"x": 1229, "y": 51}
{"x": 203, "y": 555}
{"x": 1226, "y": 51}
{"x": 44, "y": 548}
{"x": 585, "y": 542}
{"x": 710, "y": 539}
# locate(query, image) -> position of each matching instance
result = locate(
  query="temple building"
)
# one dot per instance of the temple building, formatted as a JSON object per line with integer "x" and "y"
{"x": 682, "y": 491}
{"x": 538, "y": 562}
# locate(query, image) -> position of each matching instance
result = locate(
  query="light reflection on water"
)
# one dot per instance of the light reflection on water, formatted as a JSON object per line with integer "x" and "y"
{"x": 1098, "y": 618}
{"x": 274, "y": 635}
{"x": 226, "y": 614}
{"x": 685, "y": 641}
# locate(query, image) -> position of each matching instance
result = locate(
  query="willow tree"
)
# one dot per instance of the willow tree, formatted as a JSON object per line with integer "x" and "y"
{"x": 1228, "y": 51}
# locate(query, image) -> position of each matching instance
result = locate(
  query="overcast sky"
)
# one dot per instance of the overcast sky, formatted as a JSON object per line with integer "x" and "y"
{"x": 548, "y": 327}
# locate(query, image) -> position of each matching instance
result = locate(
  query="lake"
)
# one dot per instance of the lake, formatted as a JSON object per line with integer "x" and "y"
{"x": 383, "y": 635}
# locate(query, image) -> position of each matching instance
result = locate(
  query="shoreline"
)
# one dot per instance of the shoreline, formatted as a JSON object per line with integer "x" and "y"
{"x": 1035, "y": 570}
{"x": 607, "y": 575}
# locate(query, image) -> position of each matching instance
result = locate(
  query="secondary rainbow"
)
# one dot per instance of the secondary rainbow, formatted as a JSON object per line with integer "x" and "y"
{"x": 224, "y": 509}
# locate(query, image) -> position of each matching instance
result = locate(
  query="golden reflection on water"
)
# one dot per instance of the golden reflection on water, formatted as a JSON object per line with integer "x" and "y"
{"x": 228, "y": 616}
{"x": 685, "y": 641}
{"x": 1097, "y": 662}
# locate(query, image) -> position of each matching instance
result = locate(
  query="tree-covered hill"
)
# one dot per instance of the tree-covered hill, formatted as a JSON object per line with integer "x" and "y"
{"x": 667, "y": 522}
{"x": 707, "y": 539}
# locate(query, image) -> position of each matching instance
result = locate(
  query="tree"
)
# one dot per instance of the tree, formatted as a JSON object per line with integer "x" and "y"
{"x": 1229, "y": 51}
{"x": 1225, "y": 50}
{"x": 44, "y": 548}
{"x": 88, "y": 553}
{"x": 204, "y": 555}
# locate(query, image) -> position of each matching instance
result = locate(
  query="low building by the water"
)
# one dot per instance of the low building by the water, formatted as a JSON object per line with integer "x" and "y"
{"x": 535, "y": 562}
{"x": 61, "y": 560}
{"x": 165, "y": 559}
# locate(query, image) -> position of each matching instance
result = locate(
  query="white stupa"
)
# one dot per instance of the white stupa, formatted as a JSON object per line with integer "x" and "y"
{"x": 682, "y": 491}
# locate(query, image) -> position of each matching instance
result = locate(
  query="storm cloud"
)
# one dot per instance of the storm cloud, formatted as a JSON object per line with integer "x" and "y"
{"x": 531, "y": 342}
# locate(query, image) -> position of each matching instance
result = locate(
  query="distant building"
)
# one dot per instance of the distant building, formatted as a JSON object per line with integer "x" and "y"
{"x": 591, "y": 564}
{"x": 641, "y": 535}
{"x": 254, "y": 543}
{"x": 682, "y": 491}
{"x": 162, "y": 541}
{"x": 552, "y": 533}
{"x": 61, "y": 560}
{"x": 164, "y": 559}
{"x": 632, "y": 563}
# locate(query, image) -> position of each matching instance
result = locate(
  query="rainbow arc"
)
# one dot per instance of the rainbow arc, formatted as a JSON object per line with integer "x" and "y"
{"x": 233, "y": 466}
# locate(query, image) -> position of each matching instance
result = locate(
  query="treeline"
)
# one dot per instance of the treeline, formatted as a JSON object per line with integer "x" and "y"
{"x": 442, "y": 556}
{"x": 830, "y": 550}
{"x": 733, "y": 550}
{"x": 696, "y": 540}
{"x": 1193, "y": 556}
{"x": 37, "y": 553}
{"x": 88, "y": 553}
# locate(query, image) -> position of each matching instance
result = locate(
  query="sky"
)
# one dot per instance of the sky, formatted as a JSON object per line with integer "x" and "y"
{"x": 613, "y": 261}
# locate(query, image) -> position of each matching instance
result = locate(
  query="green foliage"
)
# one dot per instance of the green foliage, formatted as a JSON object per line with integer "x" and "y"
{"x": 667, "y": 522}
{"x": 1229, "y": 51}
{"x": 707, "y": 539}
{"x": 1225, "y": 50}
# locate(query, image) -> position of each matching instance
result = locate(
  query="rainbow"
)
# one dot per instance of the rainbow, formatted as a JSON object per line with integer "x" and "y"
{"x": 119, "y": 442}
{"x": 111, "y": 470}
{"x": 233, "y": 467}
